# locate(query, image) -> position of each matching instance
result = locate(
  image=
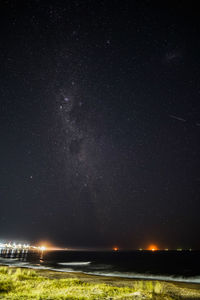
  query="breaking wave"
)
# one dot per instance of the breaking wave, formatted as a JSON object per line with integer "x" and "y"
{"x": 195, "y": 279}
{"x": 75, "y": 263}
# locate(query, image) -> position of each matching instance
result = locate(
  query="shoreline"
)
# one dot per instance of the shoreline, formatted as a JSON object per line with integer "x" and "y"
{"x": 182, "y": 290}
{"x": 151, "y": 277}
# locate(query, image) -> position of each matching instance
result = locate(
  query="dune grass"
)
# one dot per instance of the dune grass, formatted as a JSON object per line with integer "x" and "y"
{"x": 28, "y": 284}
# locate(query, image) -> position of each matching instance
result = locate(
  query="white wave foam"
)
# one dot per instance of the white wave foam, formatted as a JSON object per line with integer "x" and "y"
{"x": 37, "y": 267}
{"x": 14, "y": 263}
{"x": 195, "y": 279}
{"x": 75, "y": 263}
{"x": 23, "y": 265}
{"x": 2, "y": 259}
{"x": 66, "y": 270}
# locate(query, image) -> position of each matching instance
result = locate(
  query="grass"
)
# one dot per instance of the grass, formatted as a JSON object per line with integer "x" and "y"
{"x": 28, "y": 284}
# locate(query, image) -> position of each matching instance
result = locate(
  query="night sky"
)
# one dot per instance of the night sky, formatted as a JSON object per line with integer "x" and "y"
{"x": 100, "y": 123}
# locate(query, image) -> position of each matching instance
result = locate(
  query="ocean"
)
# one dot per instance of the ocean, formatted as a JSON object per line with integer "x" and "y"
{"x": 182, "y": 266}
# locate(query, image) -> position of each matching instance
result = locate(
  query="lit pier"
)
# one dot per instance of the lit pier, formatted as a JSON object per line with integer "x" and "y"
{"x": 20, "y": 251}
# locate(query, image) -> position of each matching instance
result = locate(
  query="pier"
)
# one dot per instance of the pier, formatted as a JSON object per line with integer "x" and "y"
{"x": 19, "y": 251}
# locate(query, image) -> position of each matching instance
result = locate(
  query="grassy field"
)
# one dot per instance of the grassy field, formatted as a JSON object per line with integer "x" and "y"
{"x": 18, "y": 283}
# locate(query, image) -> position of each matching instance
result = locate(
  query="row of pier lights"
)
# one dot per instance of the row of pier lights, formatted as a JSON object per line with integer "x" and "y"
{"x": 20, "y": 247}
{"x": 21, "y": 251}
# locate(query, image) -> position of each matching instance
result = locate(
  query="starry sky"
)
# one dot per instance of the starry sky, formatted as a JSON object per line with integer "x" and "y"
{"x": 100, "y": 123}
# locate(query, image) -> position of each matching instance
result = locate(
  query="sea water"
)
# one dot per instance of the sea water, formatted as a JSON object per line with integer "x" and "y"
{"x": 181, "y": 266}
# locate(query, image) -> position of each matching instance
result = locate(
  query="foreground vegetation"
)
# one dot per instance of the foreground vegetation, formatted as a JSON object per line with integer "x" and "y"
{"x": 28, "y": 284}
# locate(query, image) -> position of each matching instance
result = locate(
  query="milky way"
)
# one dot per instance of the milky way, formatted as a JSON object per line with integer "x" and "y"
{"x": 81, "y": 152}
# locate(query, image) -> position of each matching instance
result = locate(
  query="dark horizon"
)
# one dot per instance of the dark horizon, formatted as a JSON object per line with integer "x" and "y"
{"x": 100, "y": 123}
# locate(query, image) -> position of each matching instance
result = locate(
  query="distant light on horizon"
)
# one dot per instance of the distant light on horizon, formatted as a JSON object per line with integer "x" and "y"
{"x": 115, "y": 249}
{"x": 153, "y": 247}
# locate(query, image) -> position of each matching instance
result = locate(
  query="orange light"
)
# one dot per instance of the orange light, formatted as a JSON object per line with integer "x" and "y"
{"x": 152, "y": 248}
{"x": 115, "y": 248}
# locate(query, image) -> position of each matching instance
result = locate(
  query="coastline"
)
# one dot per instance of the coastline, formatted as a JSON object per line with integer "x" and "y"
{"x": 160, "y": 289}
{"x": 117, "y": 281}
